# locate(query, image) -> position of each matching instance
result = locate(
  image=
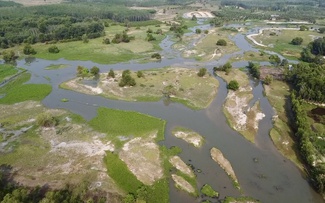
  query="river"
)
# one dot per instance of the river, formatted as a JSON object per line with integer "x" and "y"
{"x": 272, "y": 178}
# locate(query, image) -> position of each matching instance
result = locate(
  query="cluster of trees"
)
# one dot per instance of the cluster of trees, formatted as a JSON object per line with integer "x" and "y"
{"x": 312, "y": 151}
{"x": 309, "y": 81}
{"x": 60, "y": 22}
{"x": 178, "y": 29}
{"x": 314, "y": 52}
{"x": 122, "y": 37}
{"x": 233, "y": 85}
{"x": 275, "y": 59}
{"x": 226, "y": 68}
{"x": 127, "y": 79}
{"x": 254, "y": 70}
{"x": 29, "y": 50}
{"x": 9, "y": 56}
{"x": 85, "y": 72}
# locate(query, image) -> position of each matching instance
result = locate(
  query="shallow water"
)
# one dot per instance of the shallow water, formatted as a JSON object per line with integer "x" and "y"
{"x": 272, "y": 179}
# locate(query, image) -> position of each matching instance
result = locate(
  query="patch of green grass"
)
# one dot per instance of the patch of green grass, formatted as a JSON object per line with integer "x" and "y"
{"x": 15, "y": 91}
{"x": 55, "y": 67}
{"x": 120, "y": 173}
{"x": 64, "y": 100}
{"x": 7, "y": 70}
{"x": 127, "y": 123}
{"x": 239, "y": 200}
{"x": 209, "y": 191}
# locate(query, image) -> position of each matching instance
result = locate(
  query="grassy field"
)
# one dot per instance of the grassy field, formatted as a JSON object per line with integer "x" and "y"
{"x": 15, "y": 91}
{"x": 6, "y": 71}
{"x": 209, "y": 191}
{"x": 281, "y": 41}
{"x": 55, "y": 67}
{"x": 278, "y": 94}
{"x": 98, "y": 52}
{"x": 251, "y": 56}
{"x": 182, "y": 84}
{"x": 126, "y": 123}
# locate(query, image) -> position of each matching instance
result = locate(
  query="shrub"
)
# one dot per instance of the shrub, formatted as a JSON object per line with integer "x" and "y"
{"x": 140, "y": 74}
{"x": 106, "y": 41}
{"x": 202, "y": 72}
{"x": 198, "y": 31}
{"x": 233, "y": 85}
{"x": 221, "y": 42}
{"x": 127, "y": 79}
{"x": 156, "y": 55}
{"x": 54, "y": 49}
{"x": 9, "y": 56}
{"x": 46, "y": 120}
{"x": 268, "y": 79}
{"x": 111, "y": 74}
{"x": 94, "y": 70}
{"x": 29, "y": 50}
{"x": 297, "y": 41}
{"x": 304, "y": 28}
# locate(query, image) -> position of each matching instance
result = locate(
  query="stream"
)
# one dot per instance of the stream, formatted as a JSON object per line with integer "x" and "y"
{"x": 272, "y": 178}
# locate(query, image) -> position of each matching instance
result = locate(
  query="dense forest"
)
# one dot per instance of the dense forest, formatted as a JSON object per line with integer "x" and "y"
{"x": 61, "y": 22}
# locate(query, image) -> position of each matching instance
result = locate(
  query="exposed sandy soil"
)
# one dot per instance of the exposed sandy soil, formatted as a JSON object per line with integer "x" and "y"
{"x": 179, "y": 164}
{"x": 218, "y": 157}
{"x": 86, "y": 89}
{"x": 67, "y": 153}
{"x": 199, "y": 14}
{"x": 181, "y": 183}
{"x": 190, "y": 137}
{"x": 142, "y": 156}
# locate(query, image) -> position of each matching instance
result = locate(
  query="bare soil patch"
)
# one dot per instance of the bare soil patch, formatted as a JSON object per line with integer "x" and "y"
{"x": 188, "y": 136}
{"x": 218, "y": 157}
{"x": 142, "y": 156}
{"x": 198, "y": 14}
{"x": 181, "y": 183}
{"x": 179, "y": 164}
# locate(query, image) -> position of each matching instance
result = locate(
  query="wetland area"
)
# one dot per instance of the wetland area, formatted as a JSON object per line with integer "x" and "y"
{"x": 175, "y": 132}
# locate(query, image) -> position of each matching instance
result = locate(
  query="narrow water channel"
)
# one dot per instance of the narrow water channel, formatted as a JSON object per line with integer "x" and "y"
{"x": 272, "y": 178}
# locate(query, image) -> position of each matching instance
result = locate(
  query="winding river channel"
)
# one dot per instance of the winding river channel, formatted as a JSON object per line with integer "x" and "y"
{"x": 272, "y": 178}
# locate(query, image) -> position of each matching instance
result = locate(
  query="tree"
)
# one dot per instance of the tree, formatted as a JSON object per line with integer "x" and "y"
{"x": 322, "y": 30}
{"x": 303, "y": 28}
{"x": 94, "y": 70}
{"x": 233, "y": 85}
{"x": 150, "y": 37}
{"x": 297, "y": 41}
{"x": 221, "y": 42}
{"x": 254, "y": 70}
{"x": 284, "y": 62}
{"x": 28, "y": 49}
{"x": 198, "y": 31}
{"x": 127, "y": 79}
{"x": 111, "y": 74}
{"x": 140, "y": 74}
{"x": 9, "y": 56}
{"x": 106, "y": 41}
{"x": 202, "y": 72}
{"x": 156, "y": 55}
{"x": 129, "y": 198}
{"x": 194, "y": 18}
{"x": 54, "y": 49}
{"x": 268, "y": 79}
{"x": 85, "y": 38}
{"x": 206, "y": 32}
{"x": 275, "y": 59}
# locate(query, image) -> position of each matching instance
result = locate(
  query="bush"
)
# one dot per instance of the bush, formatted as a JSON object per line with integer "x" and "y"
{"x": 150, "y": 37}
{"x": 221, "y": 42}
{"x": 54, "y": 49}
{"x": 140, "y": 74}
{"x": 106, "y": 41}
{"x": 127, "y": 79}
{"x": 233, "y": 85}
{"x": 46, "y": 120}
{"x": 206, "y": 31}
{"x": 94, "y": 70}
{"x": 304, "y": 28}
{"x": 9, "y": 56}
{"x": 268, "y": 79}
{"x": 226, "y": 68}
{"x": 29, "y": 50}
{"x": 111, "y": 74}
{"x": 156, "y": 55}
{"x": 297, "y": 41}
{"x": 202, "y": 72}
{"x": 198, "y": 31}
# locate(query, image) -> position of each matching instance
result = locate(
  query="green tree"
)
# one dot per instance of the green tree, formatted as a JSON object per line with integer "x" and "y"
{"x": 268, "y": 79}
{"x": 275, "y": 59}
{"x": 222, "y": 42}
{"x": 156, "y": 56}
{"x": 129, "y": 198}
{"x": 9, "y": 56}
{"x": 303, "y": 28}
{"x": 198, "y": 31}
{"x": 111, "y": 74}
{"x": 194, "y": 18}
{"x": 202, "y": 72}
{"x": 322, "y": 30}
{"x": 94, "y": 70}
{"x": 106, "y": 41}
{"x": 28, "y": 49}
{"x": 85, "y": 38}
{"x": 233, "y": 85}
{"x": 127, "y": 79}
{"x": 54, "y": 49}
{"x": 140, "y": 74}
{"x": 297, "y": 41}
